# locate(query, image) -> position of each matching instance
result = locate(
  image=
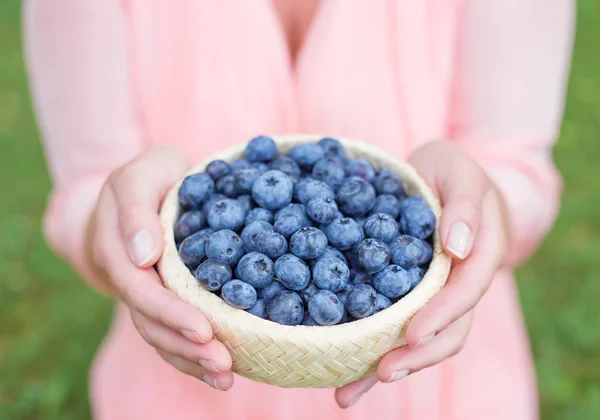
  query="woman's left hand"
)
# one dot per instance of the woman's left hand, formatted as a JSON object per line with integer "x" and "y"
{"x": 473, "y": 230}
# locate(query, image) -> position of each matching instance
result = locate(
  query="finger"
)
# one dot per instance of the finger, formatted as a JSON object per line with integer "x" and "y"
{"x": 219, "y": 381}
{"x": 406, "y": 360}
{"x": 142, "y": 289}
{"x": 467, "y": 283}
{"x": 139, "y": 188}
{"x": 461, "y": 185}
{"x": 348, "y": 395}
{"x": 212, "y": 356}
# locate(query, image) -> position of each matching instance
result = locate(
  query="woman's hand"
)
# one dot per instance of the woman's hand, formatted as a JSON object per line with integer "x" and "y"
{"x": 473, "y": 230}
{"x": 125, "y": 240}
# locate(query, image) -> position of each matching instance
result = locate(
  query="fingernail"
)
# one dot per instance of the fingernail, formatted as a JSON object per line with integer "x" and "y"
{"x": 191, "y": 335}
{"x": 210, "y": 381}
{"x": 459, "y": 239}
{"x": 208, "y": 365}
{"x": 142, "y": 247}
{"x": 399, "y": 374}
{"x": 355, "y": 400}
{"x": 425, "y": 339}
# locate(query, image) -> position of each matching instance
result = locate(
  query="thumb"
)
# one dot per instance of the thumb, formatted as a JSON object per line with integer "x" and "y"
{"x": 139, "y": 188}
{"x": 461, "y": 185}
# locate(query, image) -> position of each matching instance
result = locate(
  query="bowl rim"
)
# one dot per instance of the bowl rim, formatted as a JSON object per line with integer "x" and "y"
{"x": 177, "y": 277}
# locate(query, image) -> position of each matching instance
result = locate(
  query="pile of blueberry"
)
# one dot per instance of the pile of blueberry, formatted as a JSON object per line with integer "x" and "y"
{"x": 310, "y": 237}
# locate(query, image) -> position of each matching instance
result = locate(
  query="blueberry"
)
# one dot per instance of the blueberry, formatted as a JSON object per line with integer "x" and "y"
{"x": 261, "y": 149}
{"x": 287, "y": 225}
{"x": 244, "y": 179}
{"x": 297, "y": 209}
{"x": 271, "y": 243}
{"x": 408, "y": 251}
{"x": 416, "y": 275}
{"x": 330, "y": 171}
{"x": 330, "y": 252}
{"x": 416, "y": 218}
{"x": 332, "y": 147}
{"x": 209, "y": 203}
{"x": 217, "y": 168}
{"x": 238, "y": 294}
{"x": 225, "y": 245}
{"x": 213, "y": 274}
{"x": 373, "y": 255}
{"x": 360, "y": 302}
{"x": 355, "y": 197}
{"x": 345, "y": 318}
{"x": 273, "y": 190}
{"x": 193, "y": 249}
{"x": 360, "y": 168}
{"x": 322, "y": 210}
{"x": 239, "y": 164}
{"x": 312, "y": 188}
{"x": 292, "y": 272}
{"x": 308, "y": 292}
{"x": 189, "y": 222}
{"x": 388, "y": 204}
{"x": 249, "y": 234}
{"x": 331, "y": 274}
{"x": 393, "y": 281}
{"x": 259, "y": 309}
{"x": 246, "y": 201}
{"x": 357, "y": 277}
{"x": 226, "y": 214}
{"x": 255, "y": 269}
{"x": 344, "y": 233}
{"x": 262, "y": 167}
{"x": 287, "y": 165}
{"x": 325, "y": 308}
{"x": 308, "y": 243}
{"x": 381, "y": 303}
{"x": 306, "y": 155}
{"x": 195, "y": 189}
{"x": 352, "y": 258}
{"x": 387, "y": 183}
{"x": 269, "y": 291}
{"x": 343, "y": 294}
{"x": 226, "y": 186}
{"x": 286, "y": 308}
{"x": 308, "y": 320}
{"x": 381, "y": 226}
{"x": 258, "y": 214}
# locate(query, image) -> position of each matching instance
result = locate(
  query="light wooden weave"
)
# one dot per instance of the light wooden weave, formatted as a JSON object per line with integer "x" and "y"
{"x": 310, "y": 357}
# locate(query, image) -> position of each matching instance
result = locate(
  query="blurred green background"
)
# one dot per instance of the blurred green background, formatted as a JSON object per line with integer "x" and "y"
{"x": 51, "y": 323}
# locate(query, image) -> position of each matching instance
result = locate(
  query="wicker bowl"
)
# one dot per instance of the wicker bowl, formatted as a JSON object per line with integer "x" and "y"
{"x": 300, "y": 356}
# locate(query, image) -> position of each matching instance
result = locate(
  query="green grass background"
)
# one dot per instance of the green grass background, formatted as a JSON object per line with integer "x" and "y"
{"x": 51, "y": 323}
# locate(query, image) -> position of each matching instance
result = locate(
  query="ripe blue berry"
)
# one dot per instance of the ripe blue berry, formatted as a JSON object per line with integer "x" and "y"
{"x": 312, "y": 188}
{"x": 387, "y": 183}
{"x": 393, "y": 281}
{"x": 226, "y": 214}
{"x": 297, "y": 209}
{"x": 226, "y": 186}
{"x": 255, "y": 269}
{"x": 357, "y": 277}
{"x": 244, "y": 179}
{"x": 258, "y": 214}
{"x": 213, "y": 274}
{"x": 373, "y": 255}
{"x": 330, "y": 171}
{"x": 292, "y": 272}
{"x": 239, "y": 164}
{"x": 408, "y": 251}
{"x": 322, "y": 210}
{"x": 416, "y": 275}
{"x": 195, "y": 189}
{"x": 308, "y": 320}
{"x": 332, "y": 147}
{"x": 217, "y": 168}
{"x": 259, "y": 309}
{"x": 238, "y": 294}
{"x": 360, "y": 168}
{"x": 325, "y": 308}
{"x": 273, "y": 190}
{"x": 331, "y": 274}
{"x": 306, "y": 155}
{"x": 189, "y": 222}
{"x": 381, "y": 226}
{"x": 381, "y": 303}
{"x": 308, "y": 243}
{"x": 286, "y": 308}
{"x": 343, "y": 294}
{"x": 360, "y": 302}
{"x": 344, "y": 233}
{"x": 225, "y": 245}
{"x": 251, "y": 231}
{"x": 193, "y": 249}
{"x": 261, "y": 149}
{"x": 269, "y": 291}
{"x": 308, "y": 292}
{"x": 388, "y": 204}
{"x": 271, "y": 243}
{"x": 287, "y": 225}
{"x": 416, "y": 218}
{"x": 287, "y": 165}
{"x": 210, "y": 202}
{"x": 355, "y": 197}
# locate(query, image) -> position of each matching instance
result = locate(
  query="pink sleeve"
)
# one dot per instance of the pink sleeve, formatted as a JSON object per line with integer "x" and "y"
{"x": 512, "y": 67}
{"x": 77, "y": 62}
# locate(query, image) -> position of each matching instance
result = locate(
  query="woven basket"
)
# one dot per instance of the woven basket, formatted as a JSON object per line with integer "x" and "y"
{"x": 300, "y": 356}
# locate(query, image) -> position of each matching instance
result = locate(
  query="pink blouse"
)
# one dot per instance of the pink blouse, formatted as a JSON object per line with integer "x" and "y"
{"x": 112, "y": 77}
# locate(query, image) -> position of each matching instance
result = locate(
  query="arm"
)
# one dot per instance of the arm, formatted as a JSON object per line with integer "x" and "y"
{"x": 77, "y": 61}
{"x": 512, "y": 66}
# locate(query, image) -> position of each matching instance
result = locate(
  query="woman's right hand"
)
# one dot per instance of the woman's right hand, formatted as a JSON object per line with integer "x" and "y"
{"x": 125, "y": 240}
